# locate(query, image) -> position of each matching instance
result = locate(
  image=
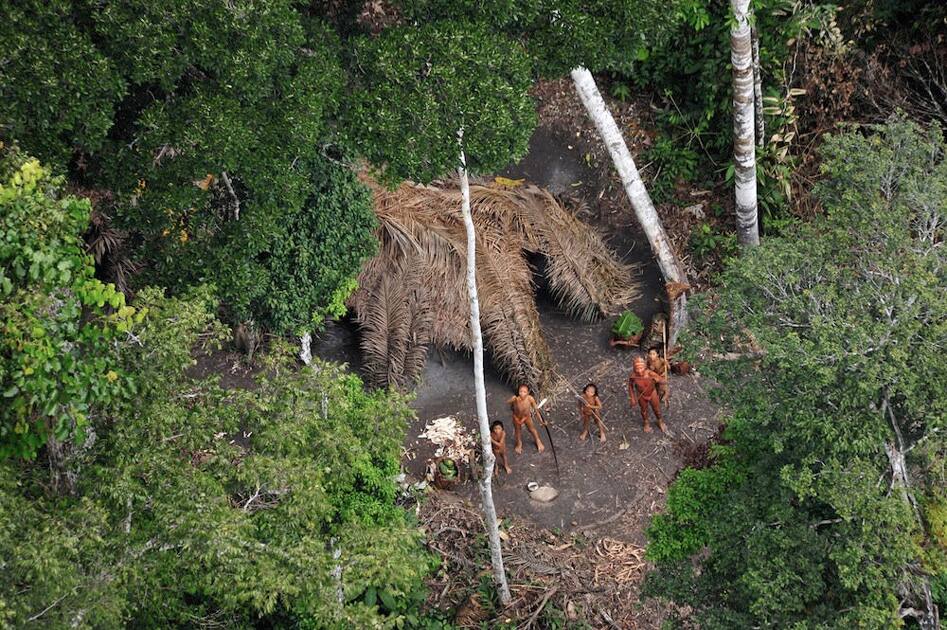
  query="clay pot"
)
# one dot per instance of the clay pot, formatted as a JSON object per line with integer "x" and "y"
{"x": 681, "y": 367}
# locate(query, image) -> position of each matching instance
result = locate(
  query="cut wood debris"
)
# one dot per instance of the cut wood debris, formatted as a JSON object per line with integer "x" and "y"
{"x": 453, "y": 440}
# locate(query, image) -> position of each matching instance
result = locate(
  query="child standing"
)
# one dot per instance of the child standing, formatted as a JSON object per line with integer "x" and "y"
{"x": 498, "y": 441}
{"x": 659, "y": 366}
{"x": 590, "y": 407}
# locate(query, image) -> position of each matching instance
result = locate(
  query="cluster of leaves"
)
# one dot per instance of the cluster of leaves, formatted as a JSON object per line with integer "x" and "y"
{"x": 805, "y": 519}
{"x": 198, "y": 116}
{"x": 706, "y": 242}
{"x": 204, "y": 505}
{"x": 421, "y": 85}
{"x": 287, "y": 267}
{"x": 57, "y": 320}
{"x": 672, "y": 162}
{"x": 560, "y": 35}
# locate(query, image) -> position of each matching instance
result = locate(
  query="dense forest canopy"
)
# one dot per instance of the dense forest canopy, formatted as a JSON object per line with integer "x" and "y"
{"x": 169, "y": 170}
{"x": 800, "y": 511}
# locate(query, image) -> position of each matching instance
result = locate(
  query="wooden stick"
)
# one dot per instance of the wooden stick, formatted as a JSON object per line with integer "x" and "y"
{"x": 539, "y": 609}
{"x": 667, "y": 367}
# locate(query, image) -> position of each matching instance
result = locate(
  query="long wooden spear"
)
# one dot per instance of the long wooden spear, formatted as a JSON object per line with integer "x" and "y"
{"x": 552, "y": 445}
{"x": 667, "y": 367}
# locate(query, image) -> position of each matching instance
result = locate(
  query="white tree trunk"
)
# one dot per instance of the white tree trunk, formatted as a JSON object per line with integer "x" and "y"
{"x": 486, "y": 481}
{"x": 744, "y": 147}
{"x": 670, "y": 266}
{"x": 758, "y": 90}
{"x": 305, "y": 349}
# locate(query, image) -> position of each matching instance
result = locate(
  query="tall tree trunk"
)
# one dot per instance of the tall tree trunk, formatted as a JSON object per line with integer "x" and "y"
{"x": 758, "y": 90}
{"x": 486, "y": 481}
{"x": 62, "y": 480}
{"x": 744, "y": 147}
{"x": 670, "y": 266}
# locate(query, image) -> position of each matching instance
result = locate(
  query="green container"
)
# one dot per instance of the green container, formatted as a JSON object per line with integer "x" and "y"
{"x": 448, "y": 468}
{"x": 627, "y": 325}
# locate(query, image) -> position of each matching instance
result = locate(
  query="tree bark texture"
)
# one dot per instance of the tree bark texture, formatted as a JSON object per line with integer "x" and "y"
{"x": 61, "y": 479}
{"x": 647, "y": 216}
{"x": 486, "y": 481}
{"x": 744, "y": 147}
{"x": 758, "y": 90}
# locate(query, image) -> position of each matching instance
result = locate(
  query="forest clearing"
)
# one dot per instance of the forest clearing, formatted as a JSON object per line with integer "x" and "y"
{"x": 434, "y": 314}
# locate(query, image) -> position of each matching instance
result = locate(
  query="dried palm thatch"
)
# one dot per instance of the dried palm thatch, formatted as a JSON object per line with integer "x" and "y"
{"x": 109, "y": 246}
{"x": 413, "y": 293}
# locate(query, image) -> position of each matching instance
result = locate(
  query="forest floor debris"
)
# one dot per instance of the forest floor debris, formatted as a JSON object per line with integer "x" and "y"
{"x": 453, "y": 440}
{"x": 553, "y": 577}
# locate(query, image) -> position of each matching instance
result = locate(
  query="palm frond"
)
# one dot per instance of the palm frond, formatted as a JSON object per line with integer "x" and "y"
{"x": 413, "y": 293}
{"x": 509, "y": 315}
{"x": 583, "y": 275}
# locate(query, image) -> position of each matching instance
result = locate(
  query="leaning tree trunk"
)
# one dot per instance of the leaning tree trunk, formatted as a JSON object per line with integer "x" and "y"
{"x": 744, "y": 147}
{"x": 670, "y": 266}
{"x": 486, "y": 481}
{"x": 758, "y": 90}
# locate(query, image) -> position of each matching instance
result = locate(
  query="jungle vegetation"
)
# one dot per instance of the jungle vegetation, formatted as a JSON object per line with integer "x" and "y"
{"x": 169, "y": 170}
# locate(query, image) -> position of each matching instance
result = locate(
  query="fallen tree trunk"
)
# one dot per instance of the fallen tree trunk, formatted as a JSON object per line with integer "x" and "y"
{"x": 647, "y": 216}
{"x": 926, "y": 615}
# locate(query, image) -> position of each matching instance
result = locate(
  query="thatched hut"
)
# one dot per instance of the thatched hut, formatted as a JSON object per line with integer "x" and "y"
{"x": 413, "y": 293}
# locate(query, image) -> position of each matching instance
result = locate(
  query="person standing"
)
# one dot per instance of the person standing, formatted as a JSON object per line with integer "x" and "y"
{"x": 643, "y": 392}
{"x": 659, "y": 366}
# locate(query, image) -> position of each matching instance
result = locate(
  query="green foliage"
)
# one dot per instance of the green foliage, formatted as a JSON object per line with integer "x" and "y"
{"x": 707, "y": 242}
{"x": 672, "y": 163}
{"x": 682, "y": 531}
{"x": 797, "y": 524}
{"x": 621, "y": 91}
{"x": 419, "y": 85}
{"x": 627, "y": 325}
{"x": 560, "y": 35}
{"x": 286, "y": 267}
{"x": 692, "y": 66}
{"x": 203, "y": 505}
{"x": 58, "y": 92}
{"x": 200, "y": 117}
{"x": 692, "y": 69}
{"x": 57, "y": 320}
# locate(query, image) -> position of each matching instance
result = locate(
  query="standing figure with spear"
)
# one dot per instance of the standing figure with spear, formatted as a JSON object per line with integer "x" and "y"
{"x": 590, "y": 407}
{"x": 522, "y": 405}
